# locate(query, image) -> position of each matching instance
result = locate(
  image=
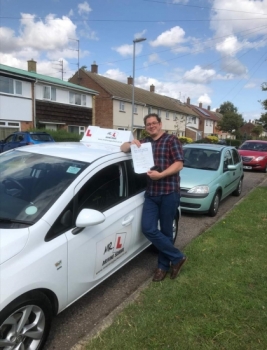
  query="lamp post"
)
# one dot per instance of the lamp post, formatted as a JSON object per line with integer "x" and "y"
{"x": 134, "y": 42}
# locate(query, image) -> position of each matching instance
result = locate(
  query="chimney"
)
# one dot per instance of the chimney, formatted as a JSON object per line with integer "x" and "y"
{"x": 188, "y": 101}
{"x": 200, "y": 104}
{"x": 94, "y": 68}
{"x": 208, "y": 108}
{"x": 130, "y": 81}
{"x": 152, "y": 88}
{"x": 31, "y": 66}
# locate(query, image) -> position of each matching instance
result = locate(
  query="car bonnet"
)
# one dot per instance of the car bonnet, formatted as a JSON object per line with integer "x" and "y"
{"x": 194, "y": 177}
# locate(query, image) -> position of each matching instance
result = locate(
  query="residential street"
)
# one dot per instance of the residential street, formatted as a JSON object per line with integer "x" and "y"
{"x": 69, "y": 327}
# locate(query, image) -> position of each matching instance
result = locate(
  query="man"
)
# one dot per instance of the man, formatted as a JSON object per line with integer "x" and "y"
{"x": 162, "y": 196}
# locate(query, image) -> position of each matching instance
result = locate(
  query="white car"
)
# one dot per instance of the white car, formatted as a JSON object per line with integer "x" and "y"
{"x": 70, "y": 216}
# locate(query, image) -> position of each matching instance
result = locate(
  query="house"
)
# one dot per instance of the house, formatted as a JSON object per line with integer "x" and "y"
{"x": 207, "y": 120}
{"x": 30, "y": 100}
{"x": 114, "y": 107}
{"x": 247, "y": 133}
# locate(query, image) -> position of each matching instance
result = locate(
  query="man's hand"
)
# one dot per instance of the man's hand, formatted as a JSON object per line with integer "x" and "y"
{"x": 126, "y": 146}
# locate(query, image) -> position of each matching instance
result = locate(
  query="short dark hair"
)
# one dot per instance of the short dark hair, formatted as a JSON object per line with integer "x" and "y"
{"x": 152, "y": 115}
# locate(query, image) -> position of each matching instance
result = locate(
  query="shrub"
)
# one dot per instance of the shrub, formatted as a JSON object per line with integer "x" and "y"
{"x": 61, "y": 135}
{"x": 184, "y": 140}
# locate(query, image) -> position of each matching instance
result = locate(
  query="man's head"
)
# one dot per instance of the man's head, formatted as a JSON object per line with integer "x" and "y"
{"x": 153, "y": 125}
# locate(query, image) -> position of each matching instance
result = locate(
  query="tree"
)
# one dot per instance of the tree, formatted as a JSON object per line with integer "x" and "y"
{"x": 227, "y": 107}
{"x": 231, "y": 120}
{"x": 257, "y": 130}
{"x": 263, "y": 118}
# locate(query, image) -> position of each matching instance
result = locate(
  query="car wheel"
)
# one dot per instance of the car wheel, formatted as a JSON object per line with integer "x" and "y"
{"x": 238, "y": 190}
{"x": 265, "y": 169}
{"x": 25, "y": 323}
{"x": 214, "y": 207}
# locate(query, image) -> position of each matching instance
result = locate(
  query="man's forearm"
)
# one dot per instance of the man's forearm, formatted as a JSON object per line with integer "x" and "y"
{"x": 126, "y": 147}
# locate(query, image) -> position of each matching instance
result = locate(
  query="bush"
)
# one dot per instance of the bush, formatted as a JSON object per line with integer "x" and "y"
{"x": 185, "y": 140}
{"x": 61, "y": 135}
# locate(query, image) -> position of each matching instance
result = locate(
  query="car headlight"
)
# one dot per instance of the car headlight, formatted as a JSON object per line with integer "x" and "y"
{"x": 199, "y": 189}
{"x": 259, "y": 158}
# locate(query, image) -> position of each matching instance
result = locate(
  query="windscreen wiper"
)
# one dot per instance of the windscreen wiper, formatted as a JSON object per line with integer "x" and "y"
{"x": 15, "y": 221}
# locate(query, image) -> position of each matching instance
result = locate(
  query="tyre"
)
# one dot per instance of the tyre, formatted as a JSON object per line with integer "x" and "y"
{"x": 25, "y": 323}
{"x": 265, "y": 169}
{"x": 238, "y": 190}
{"x": 214, "y": 207}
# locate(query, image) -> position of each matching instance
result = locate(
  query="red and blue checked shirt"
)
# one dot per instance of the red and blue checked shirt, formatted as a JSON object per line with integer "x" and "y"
{"x": 166, "y": 150}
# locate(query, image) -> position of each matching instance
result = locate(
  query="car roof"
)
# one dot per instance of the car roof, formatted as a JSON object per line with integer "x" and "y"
{"x": 82, "y": 151}
{"x": 208, "y": 146}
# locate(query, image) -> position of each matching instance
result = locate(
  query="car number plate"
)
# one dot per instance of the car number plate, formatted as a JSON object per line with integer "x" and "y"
{"x": 247, "y": 167}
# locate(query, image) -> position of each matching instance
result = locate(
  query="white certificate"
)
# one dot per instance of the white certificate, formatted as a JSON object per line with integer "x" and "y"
{"x": 142, "y": 157}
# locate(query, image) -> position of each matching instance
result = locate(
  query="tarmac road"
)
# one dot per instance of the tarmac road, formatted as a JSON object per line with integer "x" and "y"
{"x": 86, "y": 315}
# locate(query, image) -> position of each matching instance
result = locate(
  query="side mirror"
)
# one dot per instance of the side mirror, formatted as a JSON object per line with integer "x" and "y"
{"x": 89, "y": 217}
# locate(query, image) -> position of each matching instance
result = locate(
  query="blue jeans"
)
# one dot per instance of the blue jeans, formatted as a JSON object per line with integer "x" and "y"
{"x": 162, "y": 209}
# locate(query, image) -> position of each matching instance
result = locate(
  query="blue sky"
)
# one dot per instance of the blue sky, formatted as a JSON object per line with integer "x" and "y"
{"x": 209, "y": 50}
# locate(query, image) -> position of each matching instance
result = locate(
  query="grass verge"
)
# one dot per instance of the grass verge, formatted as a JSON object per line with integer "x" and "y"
{"x": 218, "y": 301}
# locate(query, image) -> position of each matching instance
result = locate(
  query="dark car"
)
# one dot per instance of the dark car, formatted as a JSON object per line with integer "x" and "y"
{"x": 254, "y": 155}
{"x": 24, "y": 138}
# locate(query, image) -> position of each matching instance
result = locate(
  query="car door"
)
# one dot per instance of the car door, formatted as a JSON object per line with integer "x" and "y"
{"x": 230, "y": 178}
{"x": 99, "y": 250}
{"x": 9, "y": 143}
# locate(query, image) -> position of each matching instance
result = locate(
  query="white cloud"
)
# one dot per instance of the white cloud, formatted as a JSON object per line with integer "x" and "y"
{"x": 205, "y": 100}
{"x": 84, "y": 8}
{"x": 170, "y": 38}
{"x": 250, "y": 86}
{"x": 199, "y": 75}
{"x": 116, "y": 74}
{"x": 51, "y": 34}
{"x": 233, "y": 66}
{"x": 127, "y": 50}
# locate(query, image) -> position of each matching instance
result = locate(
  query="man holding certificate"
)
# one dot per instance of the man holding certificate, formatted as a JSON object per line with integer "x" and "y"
{"x": 162, "y": 196}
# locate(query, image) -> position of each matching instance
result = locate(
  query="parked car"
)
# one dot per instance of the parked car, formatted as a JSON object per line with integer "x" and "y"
{"x": 23, "y": 138}
{"x": 254, "y": 155}
{"x": 222, "y": 142}
{"x": 70, "y": 216}
{"x": 211, "y": 173}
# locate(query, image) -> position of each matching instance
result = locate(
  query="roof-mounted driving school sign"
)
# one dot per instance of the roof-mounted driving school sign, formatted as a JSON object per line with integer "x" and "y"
{"x": 107, "y": 136}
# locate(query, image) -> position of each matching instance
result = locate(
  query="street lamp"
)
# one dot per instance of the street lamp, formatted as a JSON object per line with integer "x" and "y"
{"x": 134, "y": 42}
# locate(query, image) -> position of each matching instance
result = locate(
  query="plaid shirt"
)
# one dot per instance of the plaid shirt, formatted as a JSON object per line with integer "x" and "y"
{"x": 166, "y": 150}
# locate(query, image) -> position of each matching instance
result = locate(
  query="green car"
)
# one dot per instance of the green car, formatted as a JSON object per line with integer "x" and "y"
{"x": 211, "y": 173}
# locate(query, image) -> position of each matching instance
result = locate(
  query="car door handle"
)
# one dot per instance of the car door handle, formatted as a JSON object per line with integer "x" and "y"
{"x": 127, "y": 221}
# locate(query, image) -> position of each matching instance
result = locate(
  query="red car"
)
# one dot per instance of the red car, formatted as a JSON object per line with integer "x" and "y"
{"x": 254, "y": 155}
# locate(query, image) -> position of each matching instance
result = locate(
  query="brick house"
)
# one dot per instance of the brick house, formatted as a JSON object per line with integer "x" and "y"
{"x": 29, "y": 100}
{"x": 113, "y": 104}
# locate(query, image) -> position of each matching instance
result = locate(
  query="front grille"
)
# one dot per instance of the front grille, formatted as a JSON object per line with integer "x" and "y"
{"x": 247, "y": 159}
{"x": 190, "y": 205}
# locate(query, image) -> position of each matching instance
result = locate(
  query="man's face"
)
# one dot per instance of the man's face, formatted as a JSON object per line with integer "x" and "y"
{"x": 153, "y": 127}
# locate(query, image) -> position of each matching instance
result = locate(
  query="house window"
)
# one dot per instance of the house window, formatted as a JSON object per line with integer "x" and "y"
{"x": 207, "y": 123}
{"x": 49, "y": 93}
{"x": 149, "y": 109}
{"x": 76, "y": 129}
{"x": 10, "y": 86}
{"x": 167, "y": 115}
{"x": 77, "y": 99}
{"x": 135, "y": 109}
{"x": 175, "y": 117}
{"x": 122, "y": 106}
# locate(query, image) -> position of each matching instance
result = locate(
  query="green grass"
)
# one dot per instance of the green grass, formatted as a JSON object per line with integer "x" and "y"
{"x": 219, "y": 301}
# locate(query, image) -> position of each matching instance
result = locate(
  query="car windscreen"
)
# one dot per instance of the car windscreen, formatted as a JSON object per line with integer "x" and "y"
{"x": 254, "y": 146}
{"x": 203, "y": 159}
{"x": 31, "y": 183}
{"x": 41, "y": 137}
